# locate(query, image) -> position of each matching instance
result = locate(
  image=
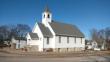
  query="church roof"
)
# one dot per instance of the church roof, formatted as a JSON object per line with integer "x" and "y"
{"x": 45, "y": 30}
{"x": 66, "y": 29}
{"x": 34, "y": 36}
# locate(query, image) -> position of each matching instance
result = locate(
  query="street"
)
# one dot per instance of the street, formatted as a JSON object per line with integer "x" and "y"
{"x": 69, "y": 59}
{"x": 5, "y": 57}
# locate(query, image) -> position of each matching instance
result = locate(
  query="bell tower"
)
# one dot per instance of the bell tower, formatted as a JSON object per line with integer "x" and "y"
{"x": 46, "y": 16}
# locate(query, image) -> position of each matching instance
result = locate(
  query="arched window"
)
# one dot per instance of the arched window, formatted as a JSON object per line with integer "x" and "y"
{"x": 44, "y": 15}
{"x": 48, "y": 16}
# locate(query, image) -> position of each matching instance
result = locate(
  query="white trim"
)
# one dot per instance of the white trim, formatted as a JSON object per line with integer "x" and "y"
{"x": 34, "y": 26}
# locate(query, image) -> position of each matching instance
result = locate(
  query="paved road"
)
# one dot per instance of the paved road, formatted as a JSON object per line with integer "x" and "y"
{"x": 69, "y": 59}
{"x": 8, "y": 58}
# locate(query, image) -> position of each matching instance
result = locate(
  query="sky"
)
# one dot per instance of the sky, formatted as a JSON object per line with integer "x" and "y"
{"x": 85, "y": 14}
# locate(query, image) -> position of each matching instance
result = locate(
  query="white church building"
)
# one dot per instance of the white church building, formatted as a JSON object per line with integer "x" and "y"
{"x": 51, "y": 35}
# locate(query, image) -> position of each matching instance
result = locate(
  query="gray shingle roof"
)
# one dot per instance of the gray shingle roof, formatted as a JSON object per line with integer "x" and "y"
{"x": 34, "y": 36}
{"x": 19, "y": 38}
{"x": 66, "y": 29}
{"x": 45, "y": 30}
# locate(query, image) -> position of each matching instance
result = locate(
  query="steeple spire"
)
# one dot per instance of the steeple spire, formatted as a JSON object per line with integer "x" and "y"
{"x": 46, "y": 9}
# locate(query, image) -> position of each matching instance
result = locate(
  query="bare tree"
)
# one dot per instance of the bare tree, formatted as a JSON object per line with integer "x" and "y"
{"x": 18, "y": 31}
{"x": 102, "y": 37}
{"x": 4, "y": 34}
{"x": 107, "y": 36}
{"x": 94, "y": 35}
{"x": 21, "y": 30}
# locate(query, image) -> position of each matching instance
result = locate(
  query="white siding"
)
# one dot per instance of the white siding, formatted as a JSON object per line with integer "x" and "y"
{"x": 33, "y": 42}
{"x": 83, "y": 43}
{"x": 13, "y": 40}
{"x": 63, "y": 43}
{"x": 53, "y": 38}
{"x": 40, "y": 35}
{"x": 20, "y": 44}
{"x": 28, "y": 37}
{"x": 45, "y": 45}
{"x": 78, "y": 42}
{"x": 71, "y": 43}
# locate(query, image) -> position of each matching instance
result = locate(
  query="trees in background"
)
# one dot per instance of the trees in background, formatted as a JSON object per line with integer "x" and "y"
{"x": 4, "y": 34}
{"x": 94, "y": 35}
{"x": 107, "y": 37}
{"x": 102, "y": 37}
{"x": 8, "y": 31}
{"x": 21, "y": 30}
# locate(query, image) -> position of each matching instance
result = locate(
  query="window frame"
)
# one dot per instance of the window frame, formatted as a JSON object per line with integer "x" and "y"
{"x": 44, "y": 15}
{"x": 75, "y": 40}
{"x": 67, "y": 39}
{"x": 59, "y": 39}
{"x": 48, "y": 16}
{"x": 48, "y": 40}
{"x": 81, "y": 40}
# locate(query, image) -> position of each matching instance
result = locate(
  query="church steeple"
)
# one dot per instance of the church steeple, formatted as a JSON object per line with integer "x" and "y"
{"x": 46, "y": 15}
{"x": 46, "y": 9}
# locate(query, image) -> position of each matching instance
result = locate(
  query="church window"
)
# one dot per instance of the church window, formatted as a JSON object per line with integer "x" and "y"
{"x": 59, "y": 39}
{"x": 67, "y": 39}
{"x": 47, "y": 40}
{"x": 48, "y": 16}
{"x": 81, "y": 40}
{"x": 29, "y": 39}
{"x": 44, "y": 15}
{"x": 75, "y": 39}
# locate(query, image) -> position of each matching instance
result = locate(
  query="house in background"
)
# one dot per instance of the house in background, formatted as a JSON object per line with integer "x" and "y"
{"x": 50, "y": 35}
{"x": 92, "y": 45}
{"x": 18, "y": 43}
{"x": 95, "y": 45}
{"x": 88, "y": 44}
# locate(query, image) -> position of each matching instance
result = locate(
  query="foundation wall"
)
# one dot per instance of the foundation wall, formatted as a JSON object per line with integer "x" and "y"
{"x": 67, "y": 49}
{"x": 32, "y": 48}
